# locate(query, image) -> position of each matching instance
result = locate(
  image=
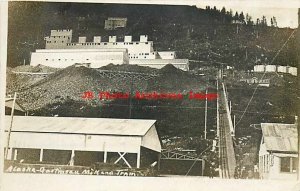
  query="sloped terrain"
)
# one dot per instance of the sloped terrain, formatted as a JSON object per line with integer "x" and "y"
{"x": 70, "y": 83}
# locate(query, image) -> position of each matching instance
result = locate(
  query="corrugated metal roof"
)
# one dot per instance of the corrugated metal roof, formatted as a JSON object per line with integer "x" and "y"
{"x": 280, "y": 137}
{"x": 76, "y": 125}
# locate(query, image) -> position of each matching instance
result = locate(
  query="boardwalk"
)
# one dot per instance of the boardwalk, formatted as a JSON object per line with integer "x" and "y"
{"x": 226, "y": 151}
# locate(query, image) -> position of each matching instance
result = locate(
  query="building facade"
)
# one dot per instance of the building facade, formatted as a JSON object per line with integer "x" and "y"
{"x": 278, "y": 153}
{"x": 276, "y": 68}
{"x": 94, "y": 58}
{"x": 113, "y": 23}
{"x": 132, "y": 143}
{"x": 60, "y": 42}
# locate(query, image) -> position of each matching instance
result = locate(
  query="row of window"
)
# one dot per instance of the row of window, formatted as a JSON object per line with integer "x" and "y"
{"x": 61, "y": 59}
{"x": 60, "y": 37}
{"x": 287, "y": 164}
{"x": 93, "y": 43}
{"x": 144, "y": 54}
{"x": 136, "y": 57}
{"x": 55, "y": 41}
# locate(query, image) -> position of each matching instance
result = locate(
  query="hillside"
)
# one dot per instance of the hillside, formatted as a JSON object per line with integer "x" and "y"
{"x": 196, "y": 34}
{"x": 70, "y": 83}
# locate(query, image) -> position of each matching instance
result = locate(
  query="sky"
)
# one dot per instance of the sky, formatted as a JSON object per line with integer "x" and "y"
{"x": 286, "y": 16}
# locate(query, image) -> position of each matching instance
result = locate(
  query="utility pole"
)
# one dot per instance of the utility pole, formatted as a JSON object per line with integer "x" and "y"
{"x": 10, "y": 127}
{"x": 130, "y": 98}
{"x": 205, "y": 120}
{"x": 218, "y": 122}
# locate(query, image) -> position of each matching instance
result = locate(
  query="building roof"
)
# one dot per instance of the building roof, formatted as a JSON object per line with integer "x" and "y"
{"x": 280, "y": 137}
{"x": 159, "y": 61}
{"x": 9, "y": 103}
{"x": 76, "y": 125}
{"x": 82, "y": 50}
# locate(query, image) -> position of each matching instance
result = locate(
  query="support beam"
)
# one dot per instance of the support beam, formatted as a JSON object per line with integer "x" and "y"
{"x": 105, "y": 156}
{"x": 41, "y": 155}
{"x": 15, "y": 154}
{"x": 123, "y": 158}
{"x": 71, "y": 163}
{"x": 9, "y": 154}
{"x": 138, "y": 159}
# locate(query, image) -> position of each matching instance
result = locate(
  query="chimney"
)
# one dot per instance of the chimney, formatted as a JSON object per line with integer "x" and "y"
{"x": 128, "y": 39}
{"x": 82, "y": 39}
{"x": 97, "y": 39}
{"x": 144, "y": 38}
{"x": 112, "y": 39}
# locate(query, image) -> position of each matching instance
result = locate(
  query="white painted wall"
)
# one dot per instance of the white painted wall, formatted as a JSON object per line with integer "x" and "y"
{"x": 259, "y": 68}
{"x": 75, "y": 142}
{"x": 64, "y": 58}
{"x": 271, "y": 169}
{"x": 292, "y": 70}
{"x": 151, "y": 140}
{"x": 270, "y": 68}
{"x": 167, "y": 54}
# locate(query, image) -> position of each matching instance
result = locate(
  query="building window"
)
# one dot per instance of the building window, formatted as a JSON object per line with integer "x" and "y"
{"x": 146, "y": 53}
{"x": 28, "y": 155}
{"x": 137, "y": 43}
{"x": 146, "y": 42}
{"x": 58, "y": 157}
{"x": 105, "y": 43}
{"x": 62, "y": 41}
{"x": 288, "y": 164}
{"x": 46, "y": 59}
{"x": 58, "y": 59}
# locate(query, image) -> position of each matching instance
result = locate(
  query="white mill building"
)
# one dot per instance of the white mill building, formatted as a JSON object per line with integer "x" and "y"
{"x": 61, "y": 52}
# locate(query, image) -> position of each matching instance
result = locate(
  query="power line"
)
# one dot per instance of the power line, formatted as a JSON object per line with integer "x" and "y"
{"x": 248, "y": 104}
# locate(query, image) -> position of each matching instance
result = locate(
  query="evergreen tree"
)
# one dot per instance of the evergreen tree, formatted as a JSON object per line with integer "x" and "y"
{"x": 223, "y": 11}
{"x": 257, "y": 22}
{"x": 236, "y": 16}
{"x": 249, "y": 20}
{"x": 242, "y": 17}
{"x": 272, "y": 23}
{"x": 263, "y": 21}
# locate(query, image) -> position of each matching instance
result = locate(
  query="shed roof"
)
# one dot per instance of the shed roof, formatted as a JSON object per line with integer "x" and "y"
{"x": 9, "y": 103}
{"x": 77, "y": 125}
{"x": 280, "y": 137}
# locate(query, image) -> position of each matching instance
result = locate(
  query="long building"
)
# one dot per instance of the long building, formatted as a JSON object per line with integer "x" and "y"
{"x": 99, "y": 53}
{"x": 133, "y": 143}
